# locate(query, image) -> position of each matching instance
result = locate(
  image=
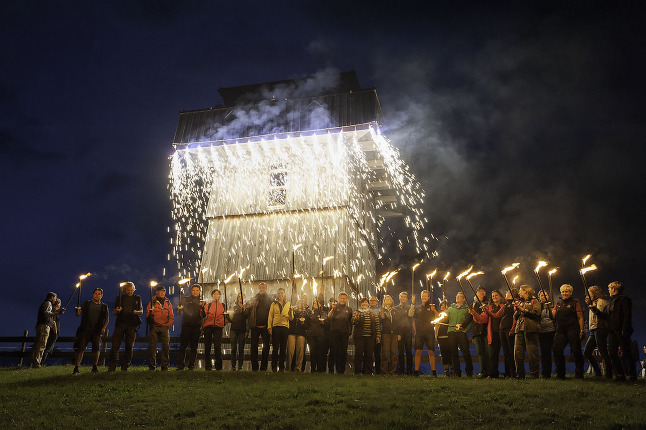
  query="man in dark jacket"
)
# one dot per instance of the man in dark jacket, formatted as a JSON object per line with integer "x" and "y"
{"x": 94, "y": 320}
{"x": 340, "y": 317}
{"x": 190, "y": 309}
{"x": 258, "y": 316}
{"x": 618, "y": 314}
{"x": 403, "y": 324}
{"x": 424, "y": 330}
{"x": 127, "y": 309}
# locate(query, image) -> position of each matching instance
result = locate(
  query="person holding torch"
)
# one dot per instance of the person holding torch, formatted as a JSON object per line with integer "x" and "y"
{"x": 527, "y": 315}
{"x": 213, "y": 325}
{"x": 190, "y": 310}
{"x": 568, "y": 319}
{"x": 127, "y": 309}
{"x": 160, "y": 316}
{"x": 94, "y": 320}
{"x": 457, "y": 331}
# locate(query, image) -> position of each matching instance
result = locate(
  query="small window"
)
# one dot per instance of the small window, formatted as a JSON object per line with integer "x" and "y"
{"x": 277, "y": 186}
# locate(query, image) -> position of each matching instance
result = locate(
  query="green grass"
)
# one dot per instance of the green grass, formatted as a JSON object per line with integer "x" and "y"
{"x": 53, "y": 398}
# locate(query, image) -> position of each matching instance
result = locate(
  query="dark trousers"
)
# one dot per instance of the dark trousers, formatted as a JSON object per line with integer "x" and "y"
{"x": 278, "y": 347}
{"x": 330, "y": 354}
{"x": 158, "y": 334}
{"x": 49, "y": 346}
{"x": 445, "y": 351}
{"x": 624, "y": 365}
{"x": 598, "y": 339}
{"x": 364, "y": 347}
{"x": 317, "y": 353}
{"x": 377, "y": 353}
{"x": 121, "y": 333}
{"x": 507, "y": 343}
{"x": 546, "y": 343}
{"x": 189, "y": 337}
{"x": 256, "y": 334}
{"x": 460, "y": 339}
{"x": 339, "y": 347}
{"x": 237, "y": 347}
{"x": 483, "y": 353}
{"x": 561, "y": 339}
{"x": 405, "y": 346}
{"x": 526, "y": 340}
{"x": 213, "y": 335}
{"x": 494, "y": 356}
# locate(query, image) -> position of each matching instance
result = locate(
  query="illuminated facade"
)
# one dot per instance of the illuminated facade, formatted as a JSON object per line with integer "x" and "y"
{"x": 283, "y": 165}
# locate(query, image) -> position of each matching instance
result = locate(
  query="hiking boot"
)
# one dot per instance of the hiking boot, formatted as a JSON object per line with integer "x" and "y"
{"x": 95, "y": 369}
{"x": 76, "y": 371}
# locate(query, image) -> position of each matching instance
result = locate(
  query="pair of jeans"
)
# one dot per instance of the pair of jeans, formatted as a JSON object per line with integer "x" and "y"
{"x": 213, "y": 336}
{"x": 405, "y": 346}
{"x": 121, "y": 333}
{"x": 546, "y": 342}
{"x": 256, "y": 334}
{"x": 460, "y": 339}
{"x": 237, "y": 347}
{"x": 339, "y": 347}
{"x": 598, "y": 339}
{"x": 189, "y": 338}
{"x": 526, "y": 340}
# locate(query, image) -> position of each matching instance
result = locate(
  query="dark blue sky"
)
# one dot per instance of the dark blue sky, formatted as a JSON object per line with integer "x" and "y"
{"x": 523, "y": 122}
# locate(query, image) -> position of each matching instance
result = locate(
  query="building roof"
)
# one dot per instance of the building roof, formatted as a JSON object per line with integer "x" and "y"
{"x": 280, "y": 107}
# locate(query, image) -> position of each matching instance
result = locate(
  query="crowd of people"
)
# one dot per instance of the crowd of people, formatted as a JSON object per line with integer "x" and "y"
{"x": 388, "y": 339}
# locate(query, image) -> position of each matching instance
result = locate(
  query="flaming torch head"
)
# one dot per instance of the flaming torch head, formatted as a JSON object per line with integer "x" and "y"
{"x": 183, "y": 281}
{"x": 588, "y": 269}
{"x": 415, "y": 266}
{"x": 584, "y": 259}
{"x": 474, "y": 274}
{"x": 431, "y": 275}
{"x": 153, "y": 284}
{"x": 447, "y": 276}
{"x": 439, "y": 318}
{"x": 82, "y": 277}
{"x": 463, "y": 274}
{"x": 553, "y": 271}
{"x": 508, "y": 268}
{"x": 539, "y": 265}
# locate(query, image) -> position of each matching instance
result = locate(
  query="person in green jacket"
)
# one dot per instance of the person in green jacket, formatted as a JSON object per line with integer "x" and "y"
{"x": 458, "y": 312}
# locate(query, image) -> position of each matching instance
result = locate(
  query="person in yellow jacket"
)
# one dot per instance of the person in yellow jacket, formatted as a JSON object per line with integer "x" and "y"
{"x": 280, "y": 314}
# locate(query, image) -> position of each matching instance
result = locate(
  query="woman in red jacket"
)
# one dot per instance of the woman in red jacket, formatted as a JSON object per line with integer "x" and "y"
{"x": 213, "y": 314}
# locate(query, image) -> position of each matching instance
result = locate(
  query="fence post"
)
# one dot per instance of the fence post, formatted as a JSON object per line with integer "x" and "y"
{"x": 104, "y": 346}
{"x": 22, "y": 348}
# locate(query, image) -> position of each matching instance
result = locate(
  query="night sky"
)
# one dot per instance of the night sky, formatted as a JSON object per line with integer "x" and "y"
{"x": 524, "y": 123}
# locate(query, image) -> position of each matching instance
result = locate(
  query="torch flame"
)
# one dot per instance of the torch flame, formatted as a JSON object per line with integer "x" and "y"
{"x": 553, "y": 271}
{"x": 153, "y": 283}
{"x": 121, "y": 284}
{"x": 326, "y": 259}
{"x": 297, "y": 246}
{"x": 184, "y": 281}
{"x": 439, "y": 318}
{"x": 588, "y": 269}
{"x": 512, "y": 267}
{"x": 431, "y": 275}
{"x": 304, "y": 282}
{"x": 359, "y": 278}
{"x": 204, "y": 270}
{"x": 474, "y": 274}
{"x": 415, "y": 266}
{"x": 229, "y": 278}
{"x": 463, "y": 274}
{"x": 314, "y": 287}
{"x": 540, "y": 264}
{"x": 515, "y": 279}
{"x": 447, "y": 276}
{"x": 78, "y": 284}
{"x": 84, "y": 276}
{"x": 585, "y": 259}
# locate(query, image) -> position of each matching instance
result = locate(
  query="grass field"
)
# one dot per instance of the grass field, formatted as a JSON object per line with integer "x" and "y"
{"x": 53, "y": 398}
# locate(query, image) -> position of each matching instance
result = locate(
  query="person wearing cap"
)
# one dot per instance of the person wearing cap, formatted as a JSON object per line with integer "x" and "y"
{"x": 159, "y": 314}
{"x": 128, "y": 310}
{"x": 94, "y": 321}
{"x": 190, "y": 309}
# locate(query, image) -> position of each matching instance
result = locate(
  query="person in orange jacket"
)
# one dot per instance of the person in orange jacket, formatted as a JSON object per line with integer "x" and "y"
{"x": 159, "y": 315}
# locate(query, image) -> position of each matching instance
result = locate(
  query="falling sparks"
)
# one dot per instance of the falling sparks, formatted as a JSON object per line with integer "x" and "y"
{"x": 239, "y": 201}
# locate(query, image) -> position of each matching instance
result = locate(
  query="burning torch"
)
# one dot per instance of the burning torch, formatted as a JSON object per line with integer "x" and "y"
{"x": 412, "y": 279}
{"x": 429, "y": 282}
{"x": 504, "y": 275}
{"x": 469, "y": 276}
{"x": 583, "y": 271}
{"x": 459, "y": 277}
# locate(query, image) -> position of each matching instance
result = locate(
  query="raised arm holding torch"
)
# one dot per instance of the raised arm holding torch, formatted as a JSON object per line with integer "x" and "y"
{"x": 549, "y": 279}
{"x": 459, "y": 278}
{"x": 504, "y": 275}
{"x": 540, "y": 265}
{"x": 468, "y": 278}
